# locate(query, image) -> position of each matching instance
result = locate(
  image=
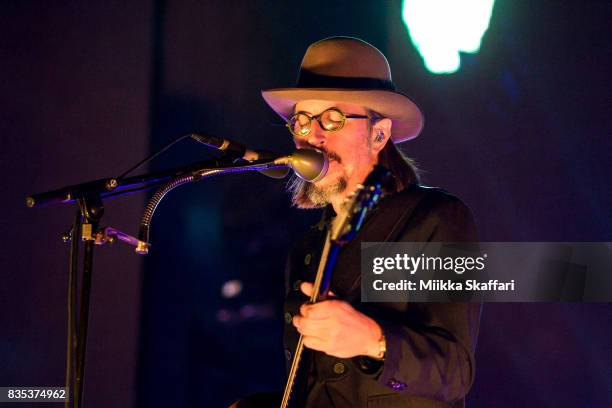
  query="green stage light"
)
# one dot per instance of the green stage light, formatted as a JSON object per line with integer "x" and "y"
{"x": 440, "y": 29}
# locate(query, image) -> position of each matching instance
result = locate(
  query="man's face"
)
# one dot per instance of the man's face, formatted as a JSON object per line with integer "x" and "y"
{"x": 350, "y": 152}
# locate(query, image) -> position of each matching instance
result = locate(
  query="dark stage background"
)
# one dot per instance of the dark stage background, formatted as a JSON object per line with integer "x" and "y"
{"x": 520, "y": 133}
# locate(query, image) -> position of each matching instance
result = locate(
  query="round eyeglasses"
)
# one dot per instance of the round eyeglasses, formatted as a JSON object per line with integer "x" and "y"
{"x": 330, "y": 120}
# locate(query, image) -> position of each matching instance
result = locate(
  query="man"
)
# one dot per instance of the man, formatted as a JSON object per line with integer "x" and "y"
{"x": 364, "y": 354}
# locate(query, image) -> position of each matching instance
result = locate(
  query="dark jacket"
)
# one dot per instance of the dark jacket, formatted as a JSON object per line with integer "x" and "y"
{"x": 430, "y": 346}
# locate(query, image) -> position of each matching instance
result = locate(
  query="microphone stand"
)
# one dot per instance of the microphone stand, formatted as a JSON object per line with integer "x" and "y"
{"x": 89, "y": 197}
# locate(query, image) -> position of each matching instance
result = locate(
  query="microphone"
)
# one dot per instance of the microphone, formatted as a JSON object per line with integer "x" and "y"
{"x": 240, "y": 151}
{"x": 308, "y": 164}
{"x": 235, "y": 149}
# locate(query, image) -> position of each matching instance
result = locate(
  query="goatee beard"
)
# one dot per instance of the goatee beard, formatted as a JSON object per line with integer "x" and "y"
{"x": 307, "y": 195}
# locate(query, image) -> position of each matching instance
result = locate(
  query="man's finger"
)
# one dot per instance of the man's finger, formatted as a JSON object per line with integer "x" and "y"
{"x": 314, "y": 343}
{"x": 312, "y": 327}
{"x": 318, "y": 311}
{"x": 304, "y": 309}
{"x": 306, "y": 288}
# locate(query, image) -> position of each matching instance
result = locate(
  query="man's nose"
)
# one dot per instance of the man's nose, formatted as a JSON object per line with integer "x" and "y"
{"x": 317, "y": 136}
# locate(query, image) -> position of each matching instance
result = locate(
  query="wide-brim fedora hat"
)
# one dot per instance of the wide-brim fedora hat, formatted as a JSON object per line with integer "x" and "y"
{"x": 347, "y": 69}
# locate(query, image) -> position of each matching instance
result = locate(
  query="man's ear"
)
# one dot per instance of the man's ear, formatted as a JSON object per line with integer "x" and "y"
{"x": 381, "y": 132}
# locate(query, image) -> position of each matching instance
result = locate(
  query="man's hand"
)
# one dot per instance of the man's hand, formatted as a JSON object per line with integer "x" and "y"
{"x": 336, "y": 328}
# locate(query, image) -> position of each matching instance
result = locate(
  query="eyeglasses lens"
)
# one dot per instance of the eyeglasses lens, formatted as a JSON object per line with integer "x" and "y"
{"x": 332, "y": 120}
{"x": 300, "y": 124}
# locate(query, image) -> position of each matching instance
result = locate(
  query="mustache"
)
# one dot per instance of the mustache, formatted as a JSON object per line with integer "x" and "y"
{"x": 331, "y": 155}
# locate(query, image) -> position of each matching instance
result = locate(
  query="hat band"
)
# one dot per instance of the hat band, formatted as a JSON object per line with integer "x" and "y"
{"x": 308, "y": 79}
